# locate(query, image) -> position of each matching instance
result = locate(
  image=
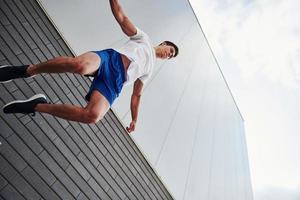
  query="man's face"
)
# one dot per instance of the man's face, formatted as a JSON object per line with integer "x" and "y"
{"x": 165, "y": 51}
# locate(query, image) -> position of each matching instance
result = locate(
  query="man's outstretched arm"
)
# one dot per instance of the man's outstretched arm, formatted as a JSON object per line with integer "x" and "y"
{"x": 135, "y": 103}
{"x": 126, "y": 25}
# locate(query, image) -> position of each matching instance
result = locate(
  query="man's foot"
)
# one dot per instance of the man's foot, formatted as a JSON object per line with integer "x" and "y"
{"x": 24, "y": 106}
{"x": 8, "y": 72}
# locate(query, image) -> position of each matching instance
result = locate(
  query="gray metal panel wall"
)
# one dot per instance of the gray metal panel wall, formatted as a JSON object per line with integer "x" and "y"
{"x": 44, "y": 157}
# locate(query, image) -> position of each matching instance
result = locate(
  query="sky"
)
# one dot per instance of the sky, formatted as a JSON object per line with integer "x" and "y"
{"x": 257, "y": 45}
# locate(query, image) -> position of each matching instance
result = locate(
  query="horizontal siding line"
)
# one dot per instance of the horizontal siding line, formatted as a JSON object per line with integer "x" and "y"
{"x": 122, "y": 152}
{"x": 17, "y": 54}
{"x": 22, "y": 117}
{"x": 136, "y": 154}
{"x": 52, "y": 40}
{"x": 142, "y": 177}
{"x": 37, "y": 155}
{"x": 26, "y": 31}
{"x": 8, "y": 184}
{"x": 3, "y": 186}
{"x": 139, "y": 154}
{"x": 36, "y": 32}
{"x": 48, "y": 18}
{"x": 17, "y": 171}
{"x": 57, "y": 148}
{"x": 35, "y": 4}
{"x": 125, "y": 157}
{"x": 28, "y": 164}
{"x": 133, "y": 156}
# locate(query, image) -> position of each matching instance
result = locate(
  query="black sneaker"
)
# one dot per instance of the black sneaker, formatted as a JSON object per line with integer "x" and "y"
{"x": 8, "y": 72}
{"x": 24, "y": 106}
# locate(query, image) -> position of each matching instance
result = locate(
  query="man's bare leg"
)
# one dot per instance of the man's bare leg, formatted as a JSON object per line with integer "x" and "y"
{"x": 84, "y": 64}
{"x": 93, "y": 112}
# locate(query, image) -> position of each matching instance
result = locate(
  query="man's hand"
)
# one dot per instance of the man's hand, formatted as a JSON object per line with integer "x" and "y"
{"x": 131, "y": 127}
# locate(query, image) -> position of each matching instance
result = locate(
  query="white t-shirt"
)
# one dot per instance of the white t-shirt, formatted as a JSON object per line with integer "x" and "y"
{"x": 140, "y": 52}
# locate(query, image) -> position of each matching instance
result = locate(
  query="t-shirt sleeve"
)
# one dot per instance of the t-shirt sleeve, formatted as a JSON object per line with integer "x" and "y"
{"x": 145, "y": 78}
{"x": 139, "y": 34}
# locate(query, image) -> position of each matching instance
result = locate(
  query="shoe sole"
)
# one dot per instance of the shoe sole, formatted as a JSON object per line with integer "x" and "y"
{"x": 11, "y": 79}
{"x": 27, "y": 100}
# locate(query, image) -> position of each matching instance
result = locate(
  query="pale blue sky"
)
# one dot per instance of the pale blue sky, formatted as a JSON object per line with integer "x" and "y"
{"x": 257, "y": 44}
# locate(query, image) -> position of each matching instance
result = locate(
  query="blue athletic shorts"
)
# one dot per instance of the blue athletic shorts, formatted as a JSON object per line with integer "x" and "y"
{"x": 110, "y": 76}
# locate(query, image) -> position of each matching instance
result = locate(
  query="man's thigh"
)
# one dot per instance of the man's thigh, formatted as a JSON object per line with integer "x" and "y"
{"x": 91, "y": 62}
{"x": 98, "y": 104}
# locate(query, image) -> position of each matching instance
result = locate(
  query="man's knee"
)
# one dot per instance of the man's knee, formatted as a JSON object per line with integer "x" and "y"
{"x": 92, "y": 117}
{"x": 79, "y": 66}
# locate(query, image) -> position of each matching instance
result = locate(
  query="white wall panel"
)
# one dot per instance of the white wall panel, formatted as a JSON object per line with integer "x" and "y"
{"x": 189, "y": 126}
{"x": 181, "y": 134}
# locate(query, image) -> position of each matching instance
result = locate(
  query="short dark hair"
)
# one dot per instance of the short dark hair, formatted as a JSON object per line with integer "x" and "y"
{"x": 173, "y": 45}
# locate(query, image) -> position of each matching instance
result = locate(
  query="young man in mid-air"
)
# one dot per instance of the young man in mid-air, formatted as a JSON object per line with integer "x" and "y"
{"x": 111, "y": 69}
